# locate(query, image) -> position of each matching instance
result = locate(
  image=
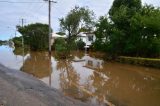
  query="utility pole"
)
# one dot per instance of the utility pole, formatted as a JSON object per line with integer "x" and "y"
{"x": 22, "y": 24}
{"x": 49, "y": 22}
{"x": 49, "y": 36}
{"x": 15, "y": 33}
{"x": 22, "y": 21}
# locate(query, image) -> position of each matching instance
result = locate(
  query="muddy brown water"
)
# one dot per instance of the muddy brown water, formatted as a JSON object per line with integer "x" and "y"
{"x": 89, "y": 78}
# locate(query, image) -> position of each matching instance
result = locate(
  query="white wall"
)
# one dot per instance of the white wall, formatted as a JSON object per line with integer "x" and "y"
{"x": 85, "y": 38}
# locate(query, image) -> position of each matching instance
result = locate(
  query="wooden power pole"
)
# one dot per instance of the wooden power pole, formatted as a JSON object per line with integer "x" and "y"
{"x": 49, "y": 22}
{"x": 22, "y": 25}
{"x": 50, "y": 35}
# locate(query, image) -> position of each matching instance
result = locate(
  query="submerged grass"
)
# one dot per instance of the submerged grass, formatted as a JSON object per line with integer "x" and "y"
{"x": 150, "y": 62}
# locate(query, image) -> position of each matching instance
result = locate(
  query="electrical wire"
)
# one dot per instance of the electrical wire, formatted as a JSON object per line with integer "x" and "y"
{"x": 35, "y": 11}
{"x": 32, "y": 8}
{"x": 5, "y": 1}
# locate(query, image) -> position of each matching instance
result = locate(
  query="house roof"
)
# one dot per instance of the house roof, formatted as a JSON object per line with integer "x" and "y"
{"x": 54, "y": 35}
{"x": 81, "y": 34}
{"x": 84, "y": 34}
{"x": 88, "y": 33}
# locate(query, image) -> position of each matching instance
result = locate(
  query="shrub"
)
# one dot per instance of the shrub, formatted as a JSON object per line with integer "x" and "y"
{"x": 61, "y": 48}
{"x": 17, "y": 41}
{"x": 80, "y": 44}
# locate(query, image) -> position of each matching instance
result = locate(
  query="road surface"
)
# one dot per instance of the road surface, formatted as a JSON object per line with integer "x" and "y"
{"x": 20, "y": 89}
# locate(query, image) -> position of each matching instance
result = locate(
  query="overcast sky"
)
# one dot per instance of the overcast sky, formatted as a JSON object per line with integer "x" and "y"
{"x": 11, "y": 13}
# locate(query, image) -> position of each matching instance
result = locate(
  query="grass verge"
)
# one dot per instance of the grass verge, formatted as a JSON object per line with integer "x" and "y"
{"x": 149, "y": 62}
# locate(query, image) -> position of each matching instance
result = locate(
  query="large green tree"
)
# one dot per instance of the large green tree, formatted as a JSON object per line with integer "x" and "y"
{"x": 121, "y": 14}
{"x": 145, "y": 29}
{"x": 103, "y": 31}
{"x": 126, "y": 7}
{"x": 131, "y": 29}
{"x": 35, "y": 36}
{"x": 77, "y": 19}
{"x": 150, "y": 17}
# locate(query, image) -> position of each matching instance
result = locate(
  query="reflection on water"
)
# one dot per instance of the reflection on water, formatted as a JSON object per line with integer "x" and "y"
{"x": 90, "y": 79}
{"x": 37, "y": 64}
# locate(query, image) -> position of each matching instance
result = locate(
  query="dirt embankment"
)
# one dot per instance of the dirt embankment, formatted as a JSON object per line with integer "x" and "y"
{"x": 20, "y": 89}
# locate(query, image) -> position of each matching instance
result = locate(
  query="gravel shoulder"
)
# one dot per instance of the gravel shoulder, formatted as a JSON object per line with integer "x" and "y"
{"x": 20, "y": 89}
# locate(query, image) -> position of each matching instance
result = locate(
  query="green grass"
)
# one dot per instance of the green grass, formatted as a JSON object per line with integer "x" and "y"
{"x": 150, "y": 62}
{"x": 140, "y": 58}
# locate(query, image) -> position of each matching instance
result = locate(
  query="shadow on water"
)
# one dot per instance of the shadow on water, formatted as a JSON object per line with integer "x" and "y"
{"x": 88, "y": 78}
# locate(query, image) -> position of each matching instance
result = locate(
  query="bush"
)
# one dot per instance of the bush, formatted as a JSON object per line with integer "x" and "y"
{"x": 17, "y": 41}
{"x": 80, "y": 44}
{"x": 98, "y": 45}
{"x": 61, "y": 48}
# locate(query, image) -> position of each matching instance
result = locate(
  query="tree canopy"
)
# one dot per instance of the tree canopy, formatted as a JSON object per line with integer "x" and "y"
{"x": 77, "y": 19}
{"x": 131, "y": 29}
{"x": 35, "y": 36}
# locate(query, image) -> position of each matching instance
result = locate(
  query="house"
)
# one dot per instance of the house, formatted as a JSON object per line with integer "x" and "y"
{"x": 55, "y": 36}
{"x": 87, "y": 37}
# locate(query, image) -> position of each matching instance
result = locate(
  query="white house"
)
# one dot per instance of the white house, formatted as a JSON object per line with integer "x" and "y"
{"x": 87, "y": 38}
{"x": 55, "y": 36}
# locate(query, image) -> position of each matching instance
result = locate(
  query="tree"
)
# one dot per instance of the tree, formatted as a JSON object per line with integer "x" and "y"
{"x": 76, "y": 19}
{"x": 150, "y": 17}
{"x": 131, "y": 29}
{"x": 121, "y": 14}
{"x": 103, "y": 29}
{"x": 122, "y": 11}
{"x": 35, "y": 36}
{"x": 132, "y": 6}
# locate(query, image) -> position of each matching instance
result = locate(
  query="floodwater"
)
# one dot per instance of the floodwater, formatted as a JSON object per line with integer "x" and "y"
{"x": 88, "y": 78}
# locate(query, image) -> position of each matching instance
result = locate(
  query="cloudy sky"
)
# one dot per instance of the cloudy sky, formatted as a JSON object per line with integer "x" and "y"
{"x": 12, "y": 13}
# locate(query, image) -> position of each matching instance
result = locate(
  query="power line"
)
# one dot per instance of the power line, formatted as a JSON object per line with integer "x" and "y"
{"x": 29, "y": 6}
{"x": 26, "y": 13}
{"x": 19, "y": 2}
{"x": 35, "y": 11}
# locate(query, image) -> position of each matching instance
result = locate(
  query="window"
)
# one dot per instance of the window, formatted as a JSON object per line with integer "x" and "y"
{"x": 90, "y": 38}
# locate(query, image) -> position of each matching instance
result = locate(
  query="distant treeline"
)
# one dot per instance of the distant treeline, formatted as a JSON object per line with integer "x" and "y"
{"x": 2, "y": 42}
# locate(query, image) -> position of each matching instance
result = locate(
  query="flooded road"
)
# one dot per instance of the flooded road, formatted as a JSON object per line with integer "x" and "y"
{"x": 89, "y": 78}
